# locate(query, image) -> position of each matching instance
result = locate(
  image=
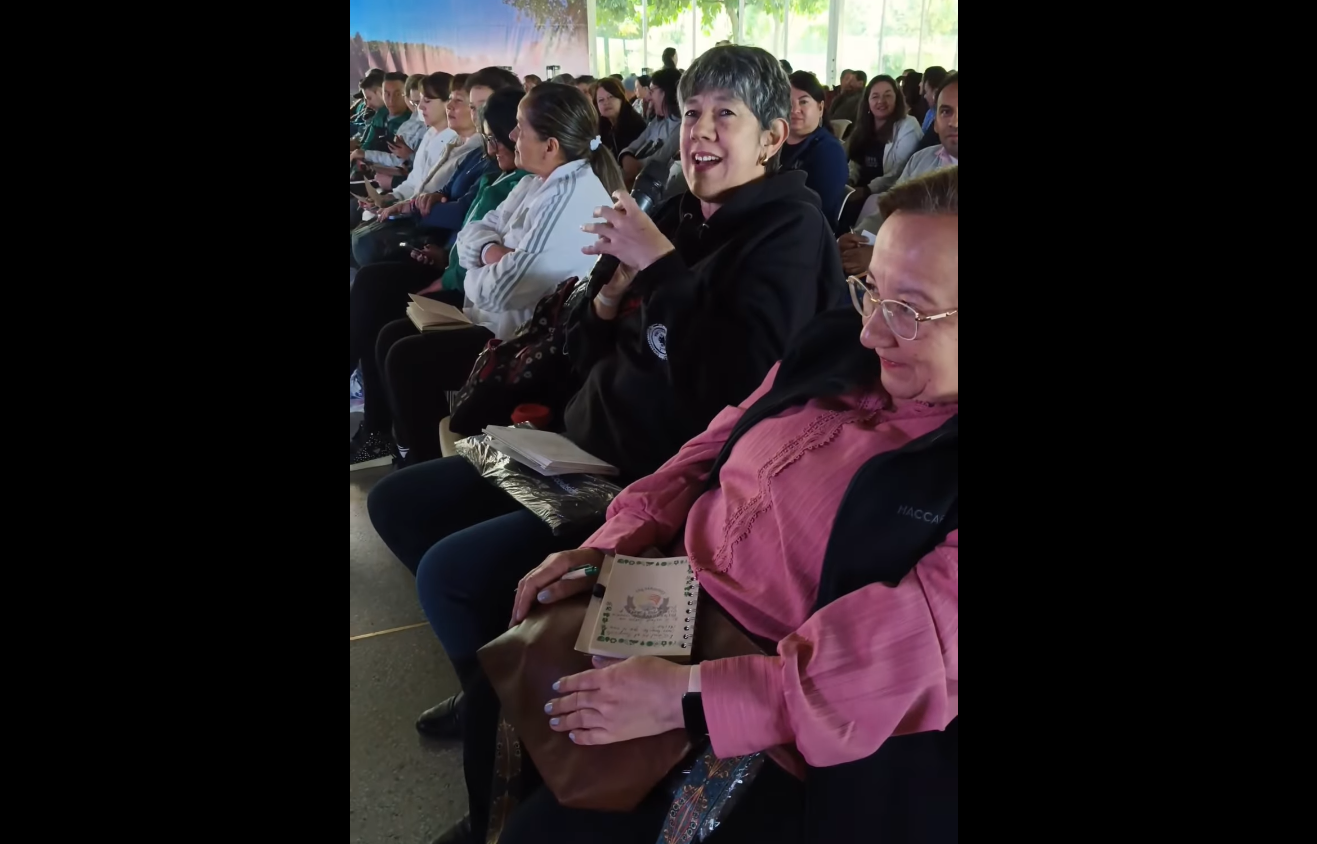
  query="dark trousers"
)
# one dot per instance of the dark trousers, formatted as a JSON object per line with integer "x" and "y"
{"x": 381, "y": 240}
{"x": 420, "y": 369}
{"x": 468, "y": 543}
{"x": 378, "y": 297}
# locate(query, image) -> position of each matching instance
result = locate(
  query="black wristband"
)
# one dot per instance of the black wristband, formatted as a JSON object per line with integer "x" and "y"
{"x": 692, "y": 711}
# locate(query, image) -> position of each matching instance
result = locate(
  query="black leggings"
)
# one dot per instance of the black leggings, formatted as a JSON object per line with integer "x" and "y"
{"x": 378, "y": 297}
{"x": 420, "y": 369}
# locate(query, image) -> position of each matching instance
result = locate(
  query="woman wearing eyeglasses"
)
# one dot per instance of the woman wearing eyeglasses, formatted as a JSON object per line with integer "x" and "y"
{"x": 830, "y": 527}
{"x": 532, "y": 241}
{"x": 379, "y": 297}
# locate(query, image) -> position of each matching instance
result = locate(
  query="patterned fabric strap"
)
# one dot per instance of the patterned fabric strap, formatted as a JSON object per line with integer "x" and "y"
{"x": 707, "y": 795}
{"x": 506, "y": 793}
{"x": 700, "y": 803}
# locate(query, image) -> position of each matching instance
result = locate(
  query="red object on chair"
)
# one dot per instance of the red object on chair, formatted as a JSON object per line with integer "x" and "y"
{"x": 536, "y": 414}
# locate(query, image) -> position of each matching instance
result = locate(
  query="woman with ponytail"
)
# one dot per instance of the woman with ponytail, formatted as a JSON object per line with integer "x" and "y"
{"x": 532, "y": 242}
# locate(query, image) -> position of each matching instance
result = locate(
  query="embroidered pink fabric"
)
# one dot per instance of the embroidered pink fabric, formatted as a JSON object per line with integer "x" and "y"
{"x": 880, "y": 661}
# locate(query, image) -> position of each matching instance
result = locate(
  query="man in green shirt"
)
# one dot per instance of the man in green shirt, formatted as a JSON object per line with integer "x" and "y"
{"x": 388, "y": 118}
{"x": 366, "y": 102}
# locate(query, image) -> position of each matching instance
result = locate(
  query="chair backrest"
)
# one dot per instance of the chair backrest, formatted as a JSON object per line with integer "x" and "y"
{"x": 447, "y": 439}
{"x": 838, "y": 127}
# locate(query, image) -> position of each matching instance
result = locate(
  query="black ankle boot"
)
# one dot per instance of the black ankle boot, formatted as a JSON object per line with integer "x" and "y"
{"x": 443, "y": 721}
{"x": 458, "y": 833}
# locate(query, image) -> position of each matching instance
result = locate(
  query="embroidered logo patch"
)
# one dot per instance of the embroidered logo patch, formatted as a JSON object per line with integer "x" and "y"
{"x": 658, "y": 340}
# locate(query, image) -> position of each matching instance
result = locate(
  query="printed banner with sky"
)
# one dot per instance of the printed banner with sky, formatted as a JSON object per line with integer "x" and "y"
{"x": 461, "y": 36}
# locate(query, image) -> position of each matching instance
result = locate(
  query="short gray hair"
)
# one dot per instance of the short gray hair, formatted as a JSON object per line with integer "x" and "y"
{"x": 750, "y": 74}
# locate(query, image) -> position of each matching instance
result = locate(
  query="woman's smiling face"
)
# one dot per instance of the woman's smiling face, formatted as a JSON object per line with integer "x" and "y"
{"x": 882, "y": 100}
{"x": 916, "y": 261}
{"x": 722, "y": 144}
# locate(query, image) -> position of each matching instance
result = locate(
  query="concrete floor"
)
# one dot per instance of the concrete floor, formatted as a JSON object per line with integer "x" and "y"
{"x": 402, "y": 788}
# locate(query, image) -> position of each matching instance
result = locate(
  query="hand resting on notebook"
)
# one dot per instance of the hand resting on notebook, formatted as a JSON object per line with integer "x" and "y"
{"x": 620, "y": 699}
{"x": 544, "y": 583}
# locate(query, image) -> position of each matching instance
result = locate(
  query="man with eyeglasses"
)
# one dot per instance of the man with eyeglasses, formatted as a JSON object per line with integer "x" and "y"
{"x": 856, "y": 249}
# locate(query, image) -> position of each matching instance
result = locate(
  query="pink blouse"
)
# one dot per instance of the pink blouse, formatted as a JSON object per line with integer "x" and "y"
{"x": 878, "y": 662}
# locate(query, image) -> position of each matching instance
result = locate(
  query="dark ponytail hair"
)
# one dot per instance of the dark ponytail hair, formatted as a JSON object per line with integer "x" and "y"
{"x": 561, "y": 111}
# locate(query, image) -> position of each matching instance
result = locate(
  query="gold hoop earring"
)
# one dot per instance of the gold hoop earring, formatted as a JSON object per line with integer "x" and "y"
{"x": 762, "y": 159}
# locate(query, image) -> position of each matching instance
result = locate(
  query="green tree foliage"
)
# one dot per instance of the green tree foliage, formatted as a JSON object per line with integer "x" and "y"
{"x": 621, "y": 18}
{"x": 667, "y": 11}
{"x": 550, "y": 13}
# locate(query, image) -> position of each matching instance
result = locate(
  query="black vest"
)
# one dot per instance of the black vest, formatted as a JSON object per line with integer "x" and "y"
{"x": 898, "y": 507}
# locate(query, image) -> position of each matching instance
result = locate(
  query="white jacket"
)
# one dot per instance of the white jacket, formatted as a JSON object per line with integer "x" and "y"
{"x": 906, "y": 136}
{"x": 541, "y": 222}
{"x": 434, "y": 145}
{"x": 475, "y": 145}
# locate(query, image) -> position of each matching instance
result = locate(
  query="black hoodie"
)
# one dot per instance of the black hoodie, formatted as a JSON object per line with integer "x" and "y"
{"x": 700, "y": 328}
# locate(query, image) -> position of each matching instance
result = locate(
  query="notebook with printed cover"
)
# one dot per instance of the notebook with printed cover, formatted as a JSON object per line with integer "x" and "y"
{"x": 642, "y": 607}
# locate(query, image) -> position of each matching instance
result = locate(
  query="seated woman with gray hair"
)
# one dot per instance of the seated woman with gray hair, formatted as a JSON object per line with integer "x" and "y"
{"x": 707, "y": 296}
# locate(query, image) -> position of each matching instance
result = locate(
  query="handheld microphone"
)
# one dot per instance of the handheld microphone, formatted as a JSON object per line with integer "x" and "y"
{"x": 647, "y": 190}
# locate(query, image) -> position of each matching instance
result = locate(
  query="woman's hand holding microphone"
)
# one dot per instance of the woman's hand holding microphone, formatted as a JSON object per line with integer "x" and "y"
{"x": 630, "y": 236}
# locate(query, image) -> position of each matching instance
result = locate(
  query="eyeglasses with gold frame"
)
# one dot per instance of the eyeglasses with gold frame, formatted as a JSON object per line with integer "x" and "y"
{"x": 900, "y": 317}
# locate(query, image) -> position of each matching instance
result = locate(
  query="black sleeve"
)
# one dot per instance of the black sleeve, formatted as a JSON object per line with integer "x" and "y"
{"x": 723, "y": 335}
{"x": 588, "y": 339}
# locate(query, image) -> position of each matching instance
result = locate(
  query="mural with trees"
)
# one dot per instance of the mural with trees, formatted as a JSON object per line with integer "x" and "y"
{"x": 424, "y": 36}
